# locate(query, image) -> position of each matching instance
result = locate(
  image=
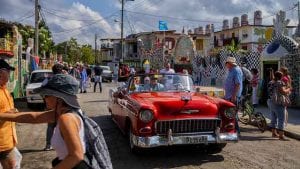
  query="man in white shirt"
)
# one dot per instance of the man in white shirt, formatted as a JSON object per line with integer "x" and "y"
{"x": 167, "y": 69}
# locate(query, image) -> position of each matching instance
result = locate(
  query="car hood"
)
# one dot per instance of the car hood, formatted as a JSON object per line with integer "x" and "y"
{"x": 178, "y": 103}
{"x": 32, "y": 86}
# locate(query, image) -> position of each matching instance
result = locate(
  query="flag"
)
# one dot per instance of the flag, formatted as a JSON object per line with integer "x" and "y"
{"x": 163, "y": 26}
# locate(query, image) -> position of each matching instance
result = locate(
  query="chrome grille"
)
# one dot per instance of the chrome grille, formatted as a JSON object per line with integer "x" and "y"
{"x": 187, "y": 126}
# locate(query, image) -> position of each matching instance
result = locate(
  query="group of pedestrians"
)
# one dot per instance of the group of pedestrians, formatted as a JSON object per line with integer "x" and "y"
{"x": 85, "y": 75}
{"x": 63, "y": 110}
{"x": 279, "y": 89}
{"x": 240, "y": 82}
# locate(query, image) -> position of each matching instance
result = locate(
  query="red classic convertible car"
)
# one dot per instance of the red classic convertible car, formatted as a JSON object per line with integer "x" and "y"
{"x": 164, "y": 110}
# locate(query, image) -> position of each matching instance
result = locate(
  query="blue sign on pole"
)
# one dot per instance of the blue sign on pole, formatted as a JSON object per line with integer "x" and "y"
{"x": 163, "y": 26}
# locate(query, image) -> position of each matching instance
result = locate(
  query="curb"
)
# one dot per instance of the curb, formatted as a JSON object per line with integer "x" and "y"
{"x": 286, "y": 132}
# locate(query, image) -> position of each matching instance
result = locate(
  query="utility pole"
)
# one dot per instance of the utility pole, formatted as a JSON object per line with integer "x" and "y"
{"x": 36, "y": 35}
{"x": 122, "y": 27}
{"x": 298, "y": 27}
{"x": 96, "y": 48}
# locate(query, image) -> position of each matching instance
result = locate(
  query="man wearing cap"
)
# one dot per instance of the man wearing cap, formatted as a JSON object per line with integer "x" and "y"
{"x": 155, "y": 86}
{"x": 8, "y": 139}
{"x": 233, "y": 83}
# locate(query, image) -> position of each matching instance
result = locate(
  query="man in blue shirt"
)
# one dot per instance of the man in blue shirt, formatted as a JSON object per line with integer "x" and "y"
{"x": 233, "y": 84}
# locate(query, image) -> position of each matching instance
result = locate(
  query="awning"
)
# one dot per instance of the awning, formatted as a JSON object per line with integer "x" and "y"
{"x": 274, "y": 51}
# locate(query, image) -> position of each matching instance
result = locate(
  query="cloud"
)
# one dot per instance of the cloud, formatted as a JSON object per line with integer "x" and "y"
{"x": 81, "y": 22}
{"x": 82, "y": 19}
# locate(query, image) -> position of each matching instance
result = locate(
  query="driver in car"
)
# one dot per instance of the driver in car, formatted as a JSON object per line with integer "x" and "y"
{"x": 155, "y": 86}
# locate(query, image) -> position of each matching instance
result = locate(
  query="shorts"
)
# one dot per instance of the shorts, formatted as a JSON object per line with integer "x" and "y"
{"x": 4, "y": 154}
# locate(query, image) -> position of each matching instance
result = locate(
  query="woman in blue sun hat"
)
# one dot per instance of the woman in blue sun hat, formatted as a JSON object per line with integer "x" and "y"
{"x": 68, "y": 139}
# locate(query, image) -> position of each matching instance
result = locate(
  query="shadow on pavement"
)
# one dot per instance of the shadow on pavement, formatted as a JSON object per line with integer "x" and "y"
{"x": 96, "y": 101}
{"x": 162, "y": 157}
{"x": 31, "y": 151}
{"x": 244, "y": 128}
{"x": 255, "y": 138}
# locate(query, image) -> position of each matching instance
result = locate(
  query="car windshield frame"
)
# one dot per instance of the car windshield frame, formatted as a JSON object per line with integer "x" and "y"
{"x": 142, "y": 83}
{"x": 39, "y": 77}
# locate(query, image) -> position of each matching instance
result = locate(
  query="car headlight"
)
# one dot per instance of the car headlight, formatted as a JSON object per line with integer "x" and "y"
{"x": 230, "y": 112}
{"x": 146, "y": 116}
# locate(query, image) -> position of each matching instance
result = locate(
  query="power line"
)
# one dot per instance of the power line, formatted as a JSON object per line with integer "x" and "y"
{"x": 82, "y": 27}
{"x": 25, "y": 14}
{"x": 25, "y": 18}
{"x": 67, "y": 18}
{"x": 160, "y": 16}
{"x": 130, "y": 25}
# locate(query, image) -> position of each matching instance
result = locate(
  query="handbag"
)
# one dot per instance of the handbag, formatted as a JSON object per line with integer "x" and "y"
{"x": 279, "y": 98}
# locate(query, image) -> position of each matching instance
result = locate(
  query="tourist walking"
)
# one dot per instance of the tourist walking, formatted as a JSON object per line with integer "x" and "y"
{"x": 68, "y": 139}
{"x": 97, "y": 77}
{"x": 84, "y": 79}
{"x": 233, "y": 84}
{"x": 56, "y": 69}
{"x": 279, "y": 96}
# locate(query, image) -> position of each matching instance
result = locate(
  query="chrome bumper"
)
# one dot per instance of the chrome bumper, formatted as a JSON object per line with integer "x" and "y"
{"x": 156, "y": 141}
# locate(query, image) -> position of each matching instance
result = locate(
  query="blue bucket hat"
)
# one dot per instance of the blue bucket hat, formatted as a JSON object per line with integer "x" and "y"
{"x": 61, "y": 86}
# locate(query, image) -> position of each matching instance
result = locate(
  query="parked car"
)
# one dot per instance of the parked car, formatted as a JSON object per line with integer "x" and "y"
{"x": 107, "y": 74}
{"x": 36, "y": 79}
{"x": 172, "y": 114}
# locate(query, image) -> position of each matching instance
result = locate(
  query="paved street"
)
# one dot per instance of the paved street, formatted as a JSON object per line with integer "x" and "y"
{"x": 254, "y": 150}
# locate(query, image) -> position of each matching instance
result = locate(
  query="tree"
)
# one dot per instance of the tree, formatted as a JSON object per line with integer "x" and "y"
{"x": 73, "y": 51}
{"x": 46, "y": 43}
{"x": 260, "y": 32}
{"x": 87, "y": 54}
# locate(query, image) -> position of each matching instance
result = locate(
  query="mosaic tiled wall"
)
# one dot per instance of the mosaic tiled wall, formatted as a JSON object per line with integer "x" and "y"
{"x": 292, "y": 62}
{"x": 206, "y": 68}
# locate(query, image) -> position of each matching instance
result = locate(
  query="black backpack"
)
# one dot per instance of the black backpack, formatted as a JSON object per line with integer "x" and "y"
{"x": 96, "y": 149}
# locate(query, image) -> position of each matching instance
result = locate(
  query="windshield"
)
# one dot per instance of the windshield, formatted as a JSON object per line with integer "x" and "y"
{"x": 39, "y": 77}
{"x": 161, "y": 83}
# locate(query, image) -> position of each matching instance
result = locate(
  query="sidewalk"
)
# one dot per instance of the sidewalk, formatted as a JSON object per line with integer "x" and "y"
{"x": 293, "y": 127}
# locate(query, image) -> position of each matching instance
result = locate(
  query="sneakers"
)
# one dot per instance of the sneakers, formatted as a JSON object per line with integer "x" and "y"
{"x": 48, "y": 148}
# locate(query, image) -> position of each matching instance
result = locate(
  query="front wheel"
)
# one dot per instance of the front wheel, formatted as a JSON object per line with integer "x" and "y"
{"x": 261, "y": 121}
{"x": 243, "y": 116}
{"x": 134, "y": 149}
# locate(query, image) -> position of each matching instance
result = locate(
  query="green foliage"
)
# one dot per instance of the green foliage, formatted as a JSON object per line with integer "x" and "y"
{"x": 73, "y": 52}
{"x": 46, "y": 43}
{"x": 233, "y": 47}
{"x": 260, "y": 32}
{"x": 87, "y": 55}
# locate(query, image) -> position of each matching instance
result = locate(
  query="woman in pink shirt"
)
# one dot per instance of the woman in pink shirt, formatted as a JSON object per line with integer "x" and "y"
{"x": 254, "y": 85}
{"x": 286, "y": 78}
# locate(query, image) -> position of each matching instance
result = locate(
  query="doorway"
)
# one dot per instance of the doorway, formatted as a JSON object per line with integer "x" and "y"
{"x": 267, "y": 67}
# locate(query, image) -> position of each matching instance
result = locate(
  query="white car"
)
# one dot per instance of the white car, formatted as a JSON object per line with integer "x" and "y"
{"x": 106, "y": 73}
{"x": 36, "y": 79}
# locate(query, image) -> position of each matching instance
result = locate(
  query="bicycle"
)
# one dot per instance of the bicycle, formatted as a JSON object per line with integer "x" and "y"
{"x": 247, "y": 114}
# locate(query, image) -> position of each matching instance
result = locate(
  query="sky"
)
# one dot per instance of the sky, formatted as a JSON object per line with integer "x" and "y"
{"x": 82, "y": 19}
